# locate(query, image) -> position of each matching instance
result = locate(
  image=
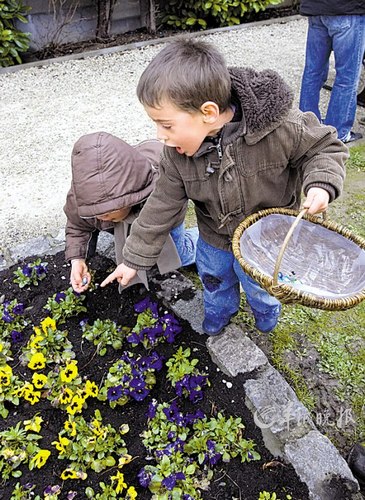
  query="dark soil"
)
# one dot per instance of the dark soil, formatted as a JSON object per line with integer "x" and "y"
{"x": 231, "y": 480}
{"x": 140, "y": 35}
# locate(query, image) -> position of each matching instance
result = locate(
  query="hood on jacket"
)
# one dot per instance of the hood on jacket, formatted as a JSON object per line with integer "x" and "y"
{"x": 109, "y": 174}
{"x": 264, "y": 97}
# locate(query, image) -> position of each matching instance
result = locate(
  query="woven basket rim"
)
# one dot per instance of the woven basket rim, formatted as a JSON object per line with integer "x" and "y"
{"x": 284, "y": 292}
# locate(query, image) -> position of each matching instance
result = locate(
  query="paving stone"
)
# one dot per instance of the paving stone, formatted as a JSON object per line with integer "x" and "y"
{"x": 317, "y": 462}
{"x": 35, "y": 247}
{"x": 277, "y": 410}
{"x": 105, "y": 245}
{"x": 4, "y": 264}
{"x": 234, "y": 352}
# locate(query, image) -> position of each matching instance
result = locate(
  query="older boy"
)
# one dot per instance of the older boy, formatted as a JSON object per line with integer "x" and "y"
{"x": 111, "y": 181}
{"x": 233, "y": 145}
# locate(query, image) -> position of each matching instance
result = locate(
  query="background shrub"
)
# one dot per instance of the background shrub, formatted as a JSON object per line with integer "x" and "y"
{"x": 187, "y": 14}
{"x": 12, "y": 40}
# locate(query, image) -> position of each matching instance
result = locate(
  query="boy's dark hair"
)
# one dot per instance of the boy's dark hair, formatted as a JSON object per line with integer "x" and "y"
{"x": 188, "y": 73}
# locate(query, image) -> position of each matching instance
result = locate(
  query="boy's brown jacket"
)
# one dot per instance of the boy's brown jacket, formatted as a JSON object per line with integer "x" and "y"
{"x": 271, "y": 153}
{"x": 107, "y": 174}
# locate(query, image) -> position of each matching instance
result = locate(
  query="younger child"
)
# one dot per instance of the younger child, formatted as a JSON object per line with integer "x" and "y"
{"x": 111, "y": 181}
{"x": 234, "y": 145}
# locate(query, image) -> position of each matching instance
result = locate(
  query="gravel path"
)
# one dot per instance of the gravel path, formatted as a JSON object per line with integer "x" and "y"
{"x": 45, "y": 109}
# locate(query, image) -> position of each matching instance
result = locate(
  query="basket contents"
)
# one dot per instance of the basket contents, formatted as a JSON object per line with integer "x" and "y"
{"x": 317, "y": 260}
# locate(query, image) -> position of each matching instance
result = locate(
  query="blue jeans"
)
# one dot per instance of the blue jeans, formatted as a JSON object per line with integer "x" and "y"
{"x": 345, "y": 35}
{"x": 185, "y": 242}
{"x": 221, "y": 275}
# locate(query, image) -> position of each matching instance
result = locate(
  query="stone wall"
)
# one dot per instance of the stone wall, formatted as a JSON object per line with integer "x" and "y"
{"x": 69, "y": 21}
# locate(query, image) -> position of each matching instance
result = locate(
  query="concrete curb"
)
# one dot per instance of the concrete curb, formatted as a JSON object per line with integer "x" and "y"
{"x": 287, "y": 428}
{"x": 139, "y": 45}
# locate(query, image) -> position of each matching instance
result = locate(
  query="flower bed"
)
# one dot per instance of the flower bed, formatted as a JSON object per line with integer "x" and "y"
{"x": 107, "y": 396}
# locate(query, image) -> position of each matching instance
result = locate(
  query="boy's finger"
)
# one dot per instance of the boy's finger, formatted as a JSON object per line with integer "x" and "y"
{"x": 108, "y": 279}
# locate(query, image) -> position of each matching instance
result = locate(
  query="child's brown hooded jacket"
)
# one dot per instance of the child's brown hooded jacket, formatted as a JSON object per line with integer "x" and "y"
{"x": 109, "y": 174}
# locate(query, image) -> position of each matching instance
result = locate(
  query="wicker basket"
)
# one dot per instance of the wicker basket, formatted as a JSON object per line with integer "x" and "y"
{"x": 302, "y": 259}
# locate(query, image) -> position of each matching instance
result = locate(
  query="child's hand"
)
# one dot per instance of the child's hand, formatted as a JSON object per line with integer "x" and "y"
{"x": 122, "y": 273}
{"x": 317, "y": 200}
{"x": 80, "y": 277}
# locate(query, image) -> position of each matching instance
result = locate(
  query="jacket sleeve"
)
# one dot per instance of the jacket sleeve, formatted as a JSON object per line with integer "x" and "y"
{"x": 321, "y": 156}
{"x": 78, "y": 231}
{"x": 164, "y": 210}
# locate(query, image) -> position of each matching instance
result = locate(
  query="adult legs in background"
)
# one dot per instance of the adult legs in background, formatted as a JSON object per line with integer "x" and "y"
{"x": 345, "y": 35}
{"x": 318, "y": 50}
{"x": 348, "y": 41}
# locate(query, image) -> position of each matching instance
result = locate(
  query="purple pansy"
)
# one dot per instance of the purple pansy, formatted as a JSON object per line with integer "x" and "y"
{"x": 152, "y": 408}
{"x": 18, "y": 309}
{"x": 27, "y": 270}
{"x": 16, "y": 336}
{"x": 114, "y": 393}
{"x": 144, "y": 478}
{"x": 60, "y": 296}
{"x": 170, "y": 481}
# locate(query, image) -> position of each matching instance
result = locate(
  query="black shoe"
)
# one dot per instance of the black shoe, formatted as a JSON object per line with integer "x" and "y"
{"x": 356, "y": 461}
{"x": 361, "y": 98}
{"x": 354, "y": 136}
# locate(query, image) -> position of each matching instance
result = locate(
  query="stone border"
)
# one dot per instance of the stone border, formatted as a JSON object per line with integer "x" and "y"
{"x": 287, "y": 428}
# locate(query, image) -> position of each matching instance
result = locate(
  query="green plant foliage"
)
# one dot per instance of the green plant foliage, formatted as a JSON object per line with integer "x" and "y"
{"x": 187, "y": 14}
{"x": 12, "y": 40}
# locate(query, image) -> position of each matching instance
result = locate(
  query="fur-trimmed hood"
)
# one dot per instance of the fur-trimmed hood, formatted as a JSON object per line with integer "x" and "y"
{"x": 265, "y": 100}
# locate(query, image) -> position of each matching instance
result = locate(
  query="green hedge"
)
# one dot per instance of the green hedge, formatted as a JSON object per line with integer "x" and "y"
{"x": 187, "y": 14}
{"x": 12, "y": 40}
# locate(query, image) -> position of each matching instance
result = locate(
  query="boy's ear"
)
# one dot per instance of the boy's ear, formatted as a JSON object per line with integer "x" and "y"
{"x": 210, "y": 111}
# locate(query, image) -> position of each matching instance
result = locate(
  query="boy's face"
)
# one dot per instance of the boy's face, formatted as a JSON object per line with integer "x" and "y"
{"x": 115, "y": 216}
{"x": 179, "y": 129}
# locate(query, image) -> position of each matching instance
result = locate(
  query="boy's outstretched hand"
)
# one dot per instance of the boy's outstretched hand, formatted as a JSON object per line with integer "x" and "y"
{"x": 317, "y": 200}
{"x": 122, "y": 273}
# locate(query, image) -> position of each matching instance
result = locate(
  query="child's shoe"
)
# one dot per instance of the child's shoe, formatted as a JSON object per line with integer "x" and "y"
{"x": 265, "y": 322}
{"x": 214, "y": 326}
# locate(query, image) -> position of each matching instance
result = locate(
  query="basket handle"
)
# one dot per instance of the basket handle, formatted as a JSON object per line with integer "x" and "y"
{"x": 285, "y": 244}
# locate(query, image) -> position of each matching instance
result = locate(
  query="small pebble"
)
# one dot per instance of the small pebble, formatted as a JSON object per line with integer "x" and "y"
{"x": 229, "y": 385}
{"x": 84, "y": 280}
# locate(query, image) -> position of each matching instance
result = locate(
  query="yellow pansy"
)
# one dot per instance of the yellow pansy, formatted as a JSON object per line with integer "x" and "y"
{"x": 131, "y": 493}
{"x": 37, "y": 361}
{"x": 48, "y": 323}
{"x": 75, "y": 406}
{"x": 32, "y": 396}
{"x": 66, "y": 396}
{"x": 34, "y": 424}
{"x": 5, "y": 379}
{"x": 119, "y": 479}
{"x": 123, "y": 429}
{"x": 39, "y": 380}
{"x": 73, "y": 474}
{"x": 6, "y": 369}
{"x": 91, "y": 389}
{"x": 40, "y": 458}
{"x": 96, "y": 427}
{"x": 37, "y": 330}
{"x": 125, "y": 459}
{"x": 61, "y": 444}
{"x": 69, "y": 373}
{"x": 34, "y": 341}
{"x": 70, "y": 427}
